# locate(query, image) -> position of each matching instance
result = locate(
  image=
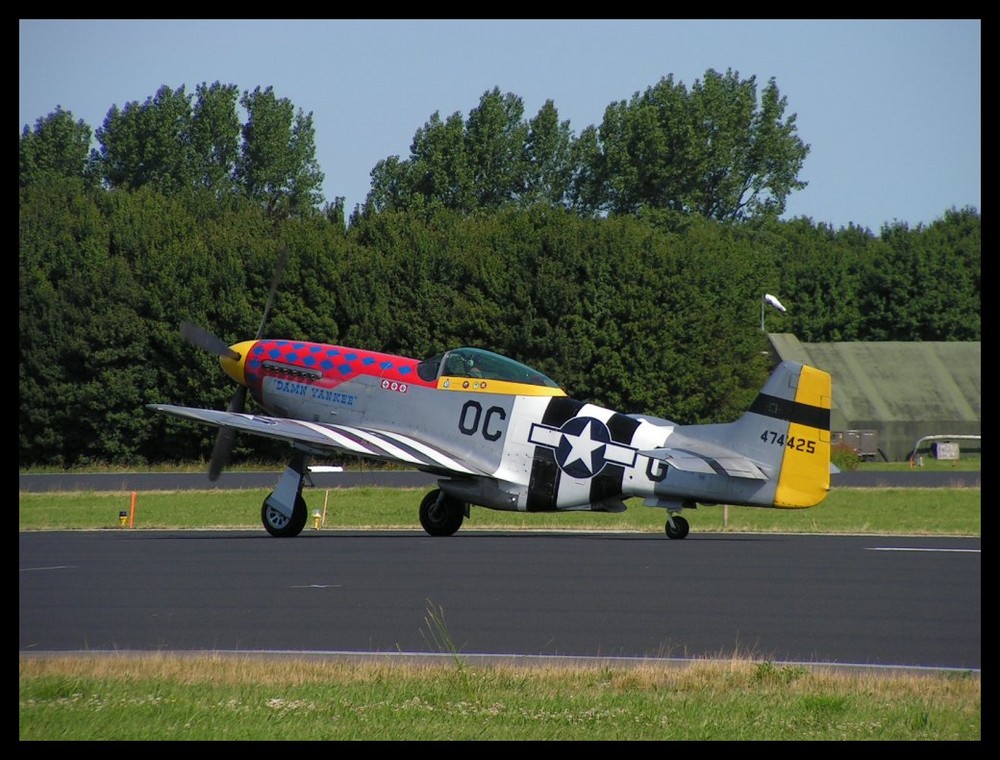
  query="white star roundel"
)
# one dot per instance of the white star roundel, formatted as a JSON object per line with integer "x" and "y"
{"x": 582, "y": 446}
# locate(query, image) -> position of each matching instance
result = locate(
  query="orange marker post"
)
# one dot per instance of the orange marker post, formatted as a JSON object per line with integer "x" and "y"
{"x": 131, "y": 515}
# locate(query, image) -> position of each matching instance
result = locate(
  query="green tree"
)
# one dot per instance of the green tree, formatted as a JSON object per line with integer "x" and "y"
{"x": 58, "y": 227}
{"x": 174, "y": 142}
{"x": 277, "y": 166}
{"x": 437, "y": 174}
{"x": 215, "y": 137}
{"x": 495, "y": 138}
{"x": 149, "y": 143}
{"x": 925, "y": 283}
{"x": 177, "y": 143}
{"x": 713, "y": 151}
{"x": 694, "y": 328}
{"x": 494, "y": 159}
{"x": 82, "y": 349}
{"x": 57, "y": 146}
{"x": 549, "y": 159}
{"x": 817, "y": 273}
{"x": 955, "y": 244}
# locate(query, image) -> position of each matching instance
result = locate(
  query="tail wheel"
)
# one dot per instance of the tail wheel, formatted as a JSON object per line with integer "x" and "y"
{"x": 440, "y": 514}
{"x": 677, "y": 527}
{"x": 279, "y": 525}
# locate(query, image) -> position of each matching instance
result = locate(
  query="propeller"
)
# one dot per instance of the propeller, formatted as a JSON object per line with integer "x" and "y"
{"x": 279, "y": 269}
{"x": 204, "y": 340}
{"x": 226, "y": 437}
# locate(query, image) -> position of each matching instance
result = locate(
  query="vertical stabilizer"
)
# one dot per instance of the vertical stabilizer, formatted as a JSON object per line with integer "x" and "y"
{"x": 791, "y": 415}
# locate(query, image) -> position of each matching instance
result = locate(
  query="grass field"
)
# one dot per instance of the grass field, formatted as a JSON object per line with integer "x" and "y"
{"x": 163, "y": 697}
{"x": 160, "y": 697}
{"x": 926, "y": 511}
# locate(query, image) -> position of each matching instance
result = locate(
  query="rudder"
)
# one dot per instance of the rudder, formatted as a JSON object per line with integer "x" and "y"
{"x": 804, "y": 480}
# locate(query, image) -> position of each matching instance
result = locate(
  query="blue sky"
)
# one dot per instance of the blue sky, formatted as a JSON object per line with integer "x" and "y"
{"x": 891, "y": 109}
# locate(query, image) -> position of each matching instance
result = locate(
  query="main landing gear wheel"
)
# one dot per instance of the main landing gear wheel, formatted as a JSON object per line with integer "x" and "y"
{"x": 283, "y": 527}
{"x": 440, "y": 514}
{"x": 677, "y": 527}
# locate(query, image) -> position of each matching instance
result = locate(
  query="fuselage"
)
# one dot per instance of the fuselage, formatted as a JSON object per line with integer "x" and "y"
{"x": 519, "y": 441}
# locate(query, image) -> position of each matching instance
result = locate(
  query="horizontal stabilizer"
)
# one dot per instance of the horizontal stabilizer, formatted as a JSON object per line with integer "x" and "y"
{"x": 724, "y": 463}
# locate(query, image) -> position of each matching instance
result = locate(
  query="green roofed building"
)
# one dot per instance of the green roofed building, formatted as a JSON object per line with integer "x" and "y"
{"x": 894, "y": 399}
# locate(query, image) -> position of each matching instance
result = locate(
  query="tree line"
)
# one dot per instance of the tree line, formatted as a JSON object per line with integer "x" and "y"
{"x": 628, "y": 263}
{"x": 719, "y": 149}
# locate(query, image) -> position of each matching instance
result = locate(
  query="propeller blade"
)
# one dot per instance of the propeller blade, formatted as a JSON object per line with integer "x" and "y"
{"x": 220, "y": 452}
{"x": 279, "y": 268}
{"x": 226, "y": 437}
{"x": 203, "y": 339}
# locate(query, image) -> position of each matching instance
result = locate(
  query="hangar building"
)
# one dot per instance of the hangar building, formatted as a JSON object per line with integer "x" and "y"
{"x": 893, "y": 399}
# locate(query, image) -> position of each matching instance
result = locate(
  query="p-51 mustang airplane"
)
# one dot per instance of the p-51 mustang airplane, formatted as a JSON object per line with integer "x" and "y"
{"x": 500, "y": 435}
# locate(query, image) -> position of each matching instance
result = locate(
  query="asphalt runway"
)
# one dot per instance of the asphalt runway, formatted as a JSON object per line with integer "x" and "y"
{"x": 858, "y": 601}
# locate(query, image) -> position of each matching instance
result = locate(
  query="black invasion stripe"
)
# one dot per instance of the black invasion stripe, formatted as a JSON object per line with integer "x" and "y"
{"x": 560, "y": 409}
{"x": 544, "y": 482}
{"x": 608, "y": 482}
{"x": 791, "y": 411}
{"x": 622, "y": 428}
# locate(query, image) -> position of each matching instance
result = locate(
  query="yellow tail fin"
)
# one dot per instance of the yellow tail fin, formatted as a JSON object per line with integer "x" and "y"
{"x": 805, "y": 474}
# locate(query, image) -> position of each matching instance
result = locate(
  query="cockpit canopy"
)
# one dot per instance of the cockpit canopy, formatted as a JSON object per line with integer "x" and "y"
{"x": 480, "y": 363}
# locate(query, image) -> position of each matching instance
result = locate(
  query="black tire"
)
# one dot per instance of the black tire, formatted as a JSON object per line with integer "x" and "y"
{"x": 280, "y": 526}
{"x": 680, "y": 528}
{"x": 441, "y": 516}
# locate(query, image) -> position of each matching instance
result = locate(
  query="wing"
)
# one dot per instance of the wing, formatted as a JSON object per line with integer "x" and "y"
{"x": 378, "y": 444}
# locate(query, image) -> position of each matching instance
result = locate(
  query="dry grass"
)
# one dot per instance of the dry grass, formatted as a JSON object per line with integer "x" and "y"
{"x": 160, "y": 696}
{"x": 688, "y": 675}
